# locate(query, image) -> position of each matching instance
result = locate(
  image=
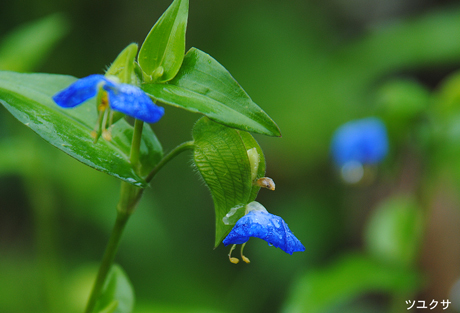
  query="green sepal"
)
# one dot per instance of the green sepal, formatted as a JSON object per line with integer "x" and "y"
{"x": 117, "y": 294}
{"x": 220, "y": 155}
{"x": 204, "y": 86}
{"x": 163, "y": 49}
{"x": 123, "y": 66}
{"x": 28, "y": 98}
{"x": 249, "y": 143}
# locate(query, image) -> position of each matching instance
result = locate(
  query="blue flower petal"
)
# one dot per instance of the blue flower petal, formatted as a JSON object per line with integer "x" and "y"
{"x": 266, "y": 226}
{"x": 132, "y": 101}
{"x": 364, "y": 141}
{"x": 80, "y": 91}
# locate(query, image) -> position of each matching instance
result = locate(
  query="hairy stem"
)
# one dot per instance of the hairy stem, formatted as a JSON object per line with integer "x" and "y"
{"x": 188, "y": 145}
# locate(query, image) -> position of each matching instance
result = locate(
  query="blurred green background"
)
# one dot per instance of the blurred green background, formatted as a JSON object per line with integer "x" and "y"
{"x": 311, "y": 65}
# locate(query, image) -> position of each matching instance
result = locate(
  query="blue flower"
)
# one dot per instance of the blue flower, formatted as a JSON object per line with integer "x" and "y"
{"x": 266, "y": 226}
{"x": 124, "y": 98}
{"x": 364, "y": 141}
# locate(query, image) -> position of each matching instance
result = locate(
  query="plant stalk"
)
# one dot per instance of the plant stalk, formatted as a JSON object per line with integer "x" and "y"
{"x": 107, "y": 260}
{"x": 188, "y": 145}
{"x": 129, "y": 197}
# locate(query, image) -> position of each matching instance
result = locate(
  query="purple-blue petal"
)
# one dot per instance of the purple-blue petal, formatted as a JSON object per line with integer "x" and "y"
{"x": 132, "y": 101}
{"x": 364, "y": 141}
{"x": 271, "y": 228}
{"x": 80, "y": 91}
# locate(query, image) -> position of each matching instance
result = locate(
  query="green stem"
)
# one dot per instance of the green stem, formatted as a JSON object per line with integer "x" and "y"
{"x": 107, "y": 260}
{"x": 129, "y": 197}
{"x": 188, "y": 145}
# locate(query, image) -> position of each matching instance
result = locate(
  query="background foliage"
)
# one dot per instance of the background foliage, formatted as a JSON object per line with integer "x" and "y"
{"x": 311, "y": 65}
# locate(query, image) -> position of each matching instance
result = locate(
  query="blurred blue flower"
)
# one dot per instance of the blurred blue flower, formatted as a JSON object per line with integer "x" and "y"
{"x": 363, "y": 141}
{"x": 266, "y": 226}
{"x": 124, "y": 98}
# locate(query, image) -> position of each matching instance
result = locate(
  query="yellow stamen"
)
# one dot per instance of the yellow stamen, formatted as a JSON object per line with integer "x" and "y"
{"x": 266, "y": 182}
{"x": 104, "y": 104}
{"x": 245, "y": 259}
{"x": 233, "y": 260}
{"x": 107, "y": 134}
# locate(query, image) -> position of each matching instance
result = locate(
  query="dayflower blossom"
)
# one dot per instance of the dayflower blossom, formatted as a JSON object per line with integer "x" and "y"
{"x": 124, "y": 98}
{"x": 364, "y": 141}
{"x": 261, "y": 224}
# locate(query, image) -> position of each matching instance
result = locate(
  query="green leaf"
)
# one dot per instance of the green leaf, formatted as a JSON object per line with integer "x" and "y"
{"x": 25, "y": 48}
{"x": 221, "y": 157}
{"x": 349, "y": 277}
{"x": 448, "y": 96}
{"x": 395, "y": 230}
{"x": 110, "y": 308}
{"x": 163, "y": 50}
{"x": 28, "y": 98}
{"x": 204, "y": 86}
{"x": 117, "y": 295}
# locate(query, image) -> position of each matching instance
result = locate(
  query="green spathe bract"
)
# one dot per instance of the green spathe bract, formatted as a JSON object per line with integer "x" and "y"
{"x": 220, "y": 155}
{"x": 28, "y": 98}
{"x": 163, "y": 50}
{"x": 123, "y": 66}
{"x": 204, "y": 86}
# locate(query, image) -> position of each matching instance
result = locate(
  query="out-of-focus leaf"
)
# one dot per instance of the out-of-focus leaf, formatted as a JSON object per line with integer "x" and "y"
{"x": 220, "y": 155}
{"x": 24, "y": 48}
{"x": 351, "y": 276}
{"x": 445, "y": 130}
{"x": 205, "y": 86}
{"x": 162, "y": 308}
{"x": 28, "y": 98}
{"x": 402, "y": 99}
{"x": 313, "y": 85}
{"x": 117, "y": 295}
{"x": 163, "y": 50}
{"x": 394, "y": 231}
{"x": 448, "y": 96}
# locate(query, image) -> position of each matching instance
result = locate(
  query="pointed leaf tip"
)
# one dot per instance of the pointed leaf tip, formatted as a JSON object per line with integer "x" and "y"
{"x": 204, "y": 86}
